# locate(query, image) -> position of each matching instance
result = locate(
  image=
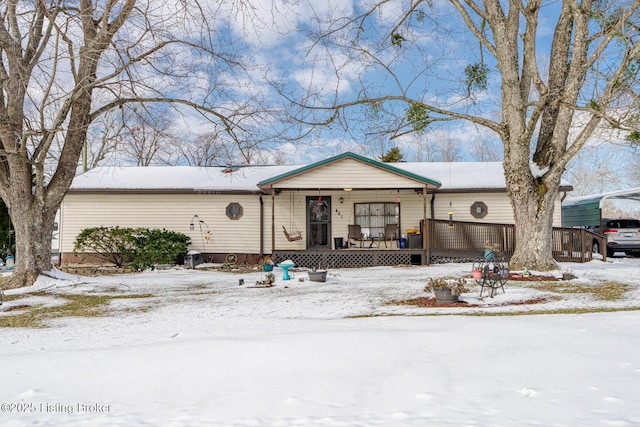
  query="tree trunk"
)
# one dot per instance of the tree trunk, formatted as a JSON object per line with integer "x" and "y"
{"x": 533, "y": 205}
{"x": 33, "y": 226}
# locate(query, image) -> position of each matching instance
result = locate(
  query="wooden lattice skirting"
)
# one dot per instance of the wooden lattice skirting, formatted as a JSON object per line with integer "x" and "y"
{"x": 351, "y": 258}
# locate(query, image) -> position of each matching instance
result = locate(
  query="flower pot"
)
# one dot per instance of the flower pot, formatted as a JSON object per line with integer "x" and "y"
{"x": 477, "y": 274}
{"x": 318, "y": 276}
{"x": 444, "y": 296}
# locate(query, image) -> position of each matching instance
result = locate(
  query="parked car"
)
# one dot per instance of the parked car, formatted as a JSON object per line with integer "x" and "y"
{"x": 623, "y": 235}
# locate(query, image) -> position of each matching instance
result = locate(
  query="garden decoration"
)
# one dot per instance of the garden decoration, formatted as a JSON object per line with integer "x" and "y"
{"x": 490, "y": 272}
{"x": 286, "y": 265}
{"x": 446, "y": 291}
{"x": 268, "y": 281}
{"x": 318, "y": 275}
{"x": 267, "y": 264}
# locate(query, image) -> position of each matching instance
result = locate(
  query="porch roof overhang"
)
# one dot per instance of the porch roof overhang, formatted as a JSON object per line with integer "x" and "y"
{"x": 409, "y": 180}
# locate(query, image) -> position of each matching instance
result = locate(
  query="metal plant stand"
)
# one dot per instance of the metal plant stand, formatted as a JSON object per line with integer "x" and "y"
{"x": 494, "y": 273}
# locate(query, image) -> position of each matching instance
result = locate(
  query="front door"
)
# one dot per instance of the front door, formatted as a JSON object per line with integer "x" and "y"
{"x": 318, "y": 222}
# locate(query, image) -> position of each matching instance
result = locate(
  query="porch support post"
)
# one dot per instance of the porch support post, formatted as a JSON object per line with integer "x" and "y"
{"x": 425, "y": 226}
{"x": 261, "y": 228}
{"x": 273, "y": 220}
{"x": 424, "y": 212}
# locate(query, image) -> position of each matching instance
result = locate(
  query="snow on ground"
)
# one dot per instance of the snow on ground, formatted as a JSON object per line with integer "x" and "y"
{"x": 200, "y": 350}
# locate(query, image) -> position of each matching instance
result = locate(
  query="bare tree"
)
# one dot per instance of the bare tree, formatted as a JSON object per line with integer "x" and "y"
{"x": 601, "y": 168}
{"x": 485, "y": 150}
{"x": 146, "y": 136}
{"x": 634, "y": 172}
{"x": 102, "y": 140}
{"x": 491, "y": 63}
{"x": 204, "y": 150}
{"x": 438, "y": 149}
{"x": 63, "y": 65}
{"x": 448, "y": 151}
{"x": 211, "y": 149}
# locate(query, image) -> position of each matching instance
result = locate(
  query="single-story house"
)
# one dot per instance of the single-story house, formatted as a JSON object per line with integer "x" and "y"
{"x": 291, "y": 210}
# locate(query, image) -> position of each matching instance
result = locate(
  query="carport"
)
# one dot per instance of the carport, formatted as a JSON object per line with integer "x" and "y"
{"x": 586, "y": 211}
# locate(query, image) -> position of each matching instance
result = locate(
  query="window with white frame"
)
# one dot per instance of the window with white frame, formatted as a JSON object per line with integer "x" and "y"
{"x": 372, "y": 217}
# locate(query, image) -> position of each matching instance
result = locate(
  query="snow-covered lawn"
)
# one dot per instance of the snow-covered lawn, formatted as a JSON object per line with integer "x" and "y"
{"x": 193, "y": 348}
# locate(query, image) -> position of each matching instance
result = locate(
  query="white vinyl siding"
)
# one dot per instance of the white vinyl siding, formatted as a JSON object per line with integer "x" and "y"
{"x": 348, "y": 173}
{"x": 171, "y": 211}
{"x": 499, "y": 208}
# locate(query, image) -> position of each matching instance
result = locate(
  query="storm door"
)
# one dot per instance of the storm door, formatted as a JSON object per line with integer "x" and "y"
{"x": 318, "y": 222}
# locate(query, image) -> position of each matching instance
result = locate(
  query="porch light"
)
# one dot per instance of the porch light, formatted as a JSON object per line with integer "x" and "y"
{"x": 347, "y": 189}
{"x": 450, "y": 224}
{"x": 341, "y": 200}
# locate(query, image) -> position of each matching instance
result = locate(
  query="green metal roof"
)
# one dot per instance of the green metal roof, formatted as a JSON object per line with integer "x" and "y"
{"x": 585, "y": 210}
{"x": 349, "y": 155}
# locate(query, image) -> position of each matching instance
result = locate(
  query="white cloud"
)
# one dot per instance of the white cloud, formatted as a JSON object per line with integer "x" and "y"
{"x": 268, "y": 23}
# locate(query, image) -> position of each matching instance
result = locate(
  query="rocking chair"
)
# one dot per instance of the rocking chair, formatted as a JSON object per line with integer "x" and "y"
{"x": 293, "y": 236}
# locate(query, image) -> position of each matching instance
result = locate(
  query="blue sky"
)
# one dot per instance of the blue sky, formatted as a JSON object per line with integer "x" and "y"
{"x": 272, "y": 40}
{"x": 439, "y": 52}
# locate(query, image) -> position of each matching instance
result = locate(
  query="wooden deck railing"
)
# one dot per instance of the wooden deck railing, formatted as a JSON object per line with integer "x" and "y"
{"x": 466, "y": 240}
{"x": 576, "y": 244}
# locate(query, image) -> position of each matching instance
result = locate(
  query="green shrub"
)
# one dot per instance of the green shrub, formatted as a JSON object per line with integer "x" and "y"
{"x": 156, "y": 246}
{"x": 138, "y": 247}
{"x": 113, "y": 244}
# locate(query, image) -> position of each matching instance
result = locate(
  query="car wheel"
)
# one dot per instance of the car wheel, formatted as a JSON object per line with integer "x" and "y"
{"x": 595, "y": 248}
{"x": 610, "y": 252}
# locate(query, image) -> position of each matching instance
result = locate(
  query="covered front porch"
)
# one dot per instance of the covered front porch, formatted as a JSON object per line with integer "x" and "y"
{"x": 451, "y": 241}
{"x": 315, "y": 210}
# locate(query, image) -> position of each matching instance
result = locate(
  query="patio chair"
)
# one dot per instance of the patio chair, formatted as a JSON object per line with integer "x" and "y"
{"x": 355, "y": 233}
{"x": 391, "y": 233}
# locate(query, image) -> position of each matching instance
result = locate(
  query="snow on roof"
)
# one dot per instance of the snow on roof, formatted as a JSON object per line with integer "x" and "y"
{"x": 182, "y": 178}
{"x": 459, "y": 175}
{"x": 452, "y": 175}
